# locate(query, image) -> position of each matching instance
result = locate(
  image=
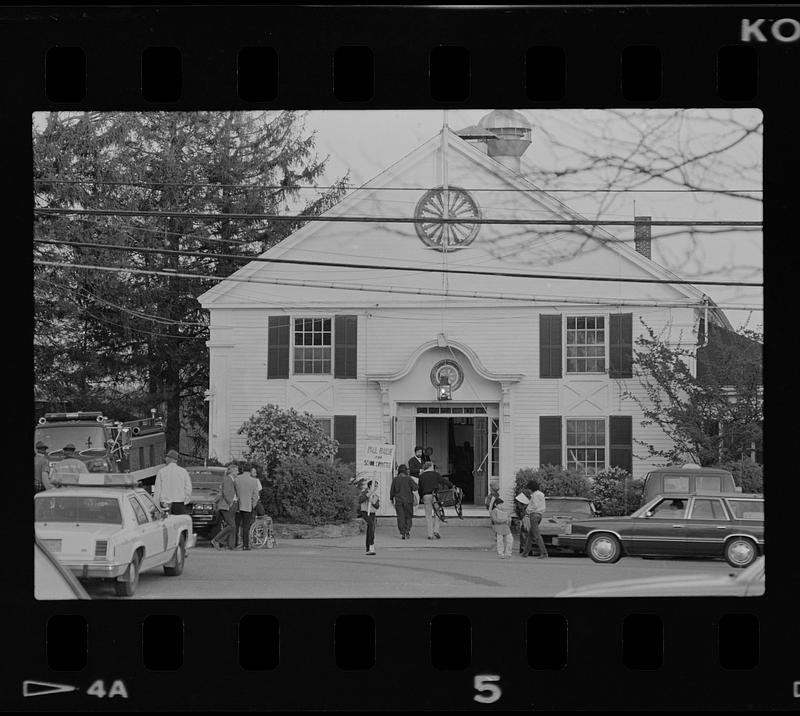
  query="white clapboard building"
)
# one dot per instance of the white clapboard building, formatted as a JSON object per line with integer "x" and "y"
{"x": 494, "y": 370}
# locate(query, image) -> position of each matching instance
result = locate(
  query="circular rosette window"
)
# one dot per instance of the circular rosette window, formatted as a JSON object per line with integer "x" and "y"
{"x": 455, "y": 204}
{"x": 450, "y": 371}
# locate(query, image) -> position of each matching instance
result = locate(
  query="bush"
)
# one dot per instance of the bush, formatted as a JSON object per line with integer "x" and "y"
{"x": 554, "y": 480}
{"x": 747, "y": 475}
{"x": 615, "y": 493}
{"x": 312, "y": 491}
{"x": 275, "y": 435}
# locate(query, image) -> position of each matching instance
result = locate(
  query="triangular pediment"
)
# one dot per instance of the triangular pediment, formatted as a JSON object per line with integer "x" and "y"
{"x": 394, "y": 249}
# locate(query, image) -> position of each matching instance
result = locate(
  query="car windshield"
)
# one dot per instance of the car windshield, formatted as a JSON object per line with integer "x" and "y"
{"x": 83, "y": 437}
{"x": 75, "y": 508}
{"x": 572, "y": 506}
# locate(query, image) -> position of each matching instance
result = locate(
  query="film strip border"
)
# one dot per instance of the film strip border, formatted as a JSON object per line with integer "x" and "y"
{"x": 424, "y": 654}
{"x": 353, "y": 75}
{"x": 480, "y": 654}
{"x": 414, "y": 57}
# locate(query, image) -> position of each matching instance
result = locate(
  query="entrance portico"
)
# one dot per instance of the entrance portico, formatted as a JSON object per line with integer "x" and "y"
{"x": 477, "y": 412}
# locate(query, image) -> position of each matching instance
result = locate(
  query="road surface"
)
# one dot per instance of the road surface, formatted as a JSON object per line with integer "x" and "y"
{"x": 301, "y": 569}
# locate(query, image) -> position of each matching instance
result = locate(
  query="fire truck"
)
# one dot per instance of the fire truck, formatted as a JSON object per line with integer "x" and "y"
{"x": 105, "y": 445}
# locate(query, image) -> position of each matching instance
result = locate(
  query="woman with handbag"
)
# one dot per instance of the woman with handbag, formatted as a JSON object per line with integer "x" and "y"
{"x": 368, "y": 504}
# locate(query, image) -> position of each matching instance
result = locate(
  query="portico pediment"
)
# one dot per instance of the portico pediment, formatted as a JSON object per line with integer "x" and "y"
{"x": 386, "y": 379}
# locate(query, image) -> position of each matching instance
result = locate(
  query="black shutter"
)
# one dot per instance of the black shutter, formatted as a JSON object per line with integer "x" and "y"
{"x": 344, "y": 430}
{"x": 549, "y": 440}
{"x": 278, "y": 347}
{"x": 620, "y": 345}
{"x": 345, "y": 355}
{"x": 620, "y": 441}
{"x": 549, "y": 346}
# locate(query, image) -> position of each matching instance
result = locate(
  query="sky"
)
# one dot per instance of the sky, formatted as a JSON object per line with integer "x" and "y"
{"x": 366, "y": 142}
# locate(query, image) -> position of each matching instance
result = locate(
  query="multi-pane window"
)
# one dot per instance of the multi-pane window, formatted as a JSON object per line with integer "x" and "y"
{"x": 586, "y": 445}
{"x": 312, "y": 345}
{"x": 586, "y": 344}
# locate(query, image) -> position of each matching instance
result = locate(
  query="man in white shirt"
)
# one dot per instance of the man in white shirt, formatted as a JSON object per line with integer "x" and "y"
{"x": 173, "y": 485}
{"x": 533, "y": 513}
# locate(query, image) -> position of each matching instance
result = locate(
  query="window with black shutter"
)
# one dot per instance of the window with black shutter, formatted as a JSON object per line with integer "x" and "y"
{"x": 278, "y": 347}
{"x": 345, "y": 347}
{"x": 549, "y": 346}
{"x": 620, "y": 345}
{"x": 550, "y": 440}
{"x": 344, "y": 430}
{"x": 620, "y": 442}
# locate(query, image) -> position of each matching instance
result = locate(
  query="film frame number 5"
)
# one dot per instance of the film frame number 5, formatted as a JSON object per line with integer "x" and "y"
{"x": 488, "y": 690}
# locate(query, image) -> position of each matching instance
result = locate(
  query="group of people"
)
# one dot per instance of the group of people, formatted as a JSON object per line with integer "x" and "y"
{"x": 42, "y": 478}
{"x": 533, "y": 506}
{"x": 238, "y": 505}
{"x": 414, "y": 483}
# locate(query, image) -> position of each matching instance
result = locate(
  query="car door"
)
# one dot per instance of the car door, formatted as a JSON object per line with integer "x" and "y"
{"x": 163, "y": 525}
{"x": 149, "y": 534}
{"x": 707, "y": 527}
{"x": 661, "y": 530}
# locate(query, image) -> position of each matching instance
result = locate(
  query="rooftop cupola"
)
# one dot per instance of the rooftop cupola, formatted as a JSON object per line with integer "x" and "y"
{"x": 513, "y": 132}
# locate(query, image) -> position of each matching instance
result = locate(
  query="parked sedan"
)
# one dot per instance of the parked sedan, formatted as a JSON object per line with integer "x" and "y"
{"x": 206, "y": 486}
{"x": 729, "y": 525}
{"x": 104, "y": 526}
{"x": 746, "y": 583}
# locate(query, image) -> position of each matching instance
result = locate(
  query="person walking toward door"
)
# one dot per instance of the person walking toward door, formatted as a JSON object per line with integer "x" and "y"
{"x": 430, "y": 480}
{"x": 402, "y": 494}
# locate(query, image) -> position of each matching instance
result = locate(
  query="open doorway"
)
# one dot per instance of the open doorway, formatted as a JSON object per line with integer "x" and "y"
{"x": 459, "y": 448}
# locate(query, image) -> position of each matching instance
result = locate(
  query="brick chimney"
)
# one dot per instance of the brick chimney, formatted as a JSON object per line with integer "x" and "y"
{"x": 641, "y": 234}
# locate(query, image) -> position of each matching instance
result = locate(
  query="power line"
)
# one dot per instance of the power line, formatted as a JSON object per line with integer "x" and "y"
{"x": 546, "y": 300}
{"x": 383, "y": 219}
{"x": 385, "y": 267}
{"x": 282, "y": 187}
{"x": 133, "y": 312}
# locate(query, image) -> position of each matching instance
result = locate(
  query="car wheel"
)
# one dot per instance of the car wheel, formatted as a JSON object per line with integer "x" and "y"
{"x": 741, "y": 552}
{"x": 127, "y": 588}
{"x": 604, "y": 548}
{"x": 179, "y": 558}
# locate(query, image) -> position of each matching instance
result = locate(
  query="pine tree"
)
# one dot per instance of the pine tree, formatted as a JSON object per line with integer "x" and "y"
{"x": 126, "y": 342}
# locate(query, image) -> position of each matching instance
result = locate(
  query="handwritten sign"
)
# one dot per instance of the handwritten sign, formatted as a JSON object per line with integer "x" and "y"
{"x": 378, "y": 456}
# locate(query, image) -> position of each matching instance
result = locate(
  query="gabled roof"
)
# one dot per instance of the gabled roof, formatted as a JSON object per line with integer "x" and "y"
{"x": 422, "y": 161}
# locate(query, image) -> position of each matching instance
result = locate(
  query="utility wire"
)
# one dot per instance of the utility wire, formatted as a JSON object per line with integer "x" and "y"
{"x": 281, "y": 187}
{"x": 386, "y": 267}
{"x": 133, "y": 312}
{"x": 546, "y": 300}
{"x": 383, "y": 219}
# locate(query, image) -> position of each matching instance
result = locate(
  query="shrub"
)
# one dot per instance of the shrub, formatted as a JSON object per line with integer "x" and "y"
{"x": 747, "y": 475}
{"x": 312, "y": 491}
{"x": 554, "y": 480}
{"x": 275, "y": 435}
{"x": 615, "y": 493}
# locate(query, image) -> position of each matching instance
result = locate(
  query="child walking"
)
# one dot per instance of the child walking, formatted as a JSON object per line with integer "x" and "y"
{"x": 502, "y": 528}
